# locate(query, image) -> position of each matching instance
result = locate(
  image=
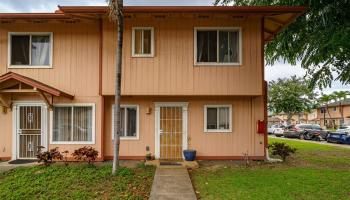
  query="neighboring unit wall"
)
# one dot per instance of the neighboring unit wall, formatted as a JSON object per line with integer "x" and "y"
{"x": 246, "y": 112}
{"x": 6, "y": 133}
{"x": 171, "y": 71}
{"x": 75, "y": 56}
{"x": 75, "y": 70}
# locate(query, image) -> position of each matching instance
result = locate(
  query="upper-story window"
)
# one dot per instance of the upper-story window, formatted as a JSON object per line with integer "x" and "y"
{"x": 217, "y": 46}
{"x": 142, "y": 41}
{"x": 30, "y": 50}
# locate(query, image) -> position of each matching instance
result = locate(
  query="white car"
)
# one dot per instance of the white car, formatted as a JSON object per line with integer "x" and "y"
{"x": 344, "y": 129}
{"x": 276, "y": 130}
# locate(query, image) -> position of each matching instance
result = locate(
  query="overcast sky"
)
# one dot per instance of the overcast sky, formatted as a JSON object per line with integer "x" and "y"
{"x": 279, "y": 70}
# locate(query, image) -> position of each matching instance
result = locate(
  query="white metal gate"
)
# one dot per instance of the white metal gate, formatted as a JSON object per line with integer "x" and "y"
{"x": 29, "y": 130}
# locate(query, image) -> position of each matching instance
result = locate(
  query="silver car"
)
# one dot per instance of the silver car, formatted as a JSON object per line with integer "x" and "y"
{"x": 344, "y": 129}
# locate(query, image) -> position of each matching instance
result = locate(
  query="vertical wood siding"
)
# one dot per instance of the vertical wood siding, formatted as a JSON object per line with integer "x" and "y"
{"x": 75, "y": 56}
{"x": 171, "y": 71}
{"x": 243, "y": 138}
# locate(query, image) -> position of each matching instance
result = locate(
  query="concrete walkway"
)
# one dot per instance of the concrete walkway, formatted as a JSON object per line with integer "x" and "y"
{"x": 5, "y": 166}
{"x": 172, "y": 182}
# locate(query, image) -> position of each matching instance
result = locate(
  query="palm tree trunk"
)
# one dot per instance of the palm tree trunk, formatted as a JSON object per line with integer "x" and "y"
{"x": 289, "y": 117}
{"x": 118, "y": 6}
{"x": 341, "y": 112}
{"x": 330, "y": 118}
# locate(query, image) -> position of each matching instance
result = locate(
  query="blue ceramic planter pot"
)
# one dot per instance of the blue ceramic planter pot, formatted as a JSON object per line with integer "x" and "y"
{"x": 190, "y": 155}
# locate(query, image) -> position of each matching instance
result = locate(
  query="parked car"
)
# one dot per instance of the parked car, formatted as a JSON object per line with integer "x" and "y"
{"x": 339, "y": 137}
{"x": 306, "y": 131}
{"x": 344, "y": 129}
{"x": 276, "y": 129}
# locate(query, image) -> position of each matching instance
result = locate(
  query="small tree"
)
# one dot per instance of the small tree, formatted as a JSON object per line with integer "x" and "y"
{"x": 281, "y": 149}
{"x": 116, "y": 14}
{"x": 290, "y": 96}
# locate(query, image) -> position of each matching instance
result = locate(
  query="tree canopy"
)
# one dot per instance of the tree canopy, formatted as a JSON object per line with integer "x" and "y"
{"x": 320, "y": 39}
{"x": 290, "y": 96}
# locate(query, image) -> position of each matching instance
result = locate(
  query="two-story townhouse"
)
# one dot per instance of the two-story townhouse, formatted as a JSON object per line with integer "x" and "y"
{"x": 338, "y": 113}
{"x": 192, "y": 77}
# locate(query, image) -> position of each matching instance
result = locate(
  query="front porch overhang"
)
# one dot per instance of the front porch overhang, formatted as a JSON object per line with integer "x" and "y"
{"x": 12, "y": 83}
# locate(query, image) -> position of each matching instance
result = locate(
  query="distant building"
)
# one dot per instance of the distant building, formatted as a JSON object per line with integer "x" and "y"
{"x": 338, "y": 113}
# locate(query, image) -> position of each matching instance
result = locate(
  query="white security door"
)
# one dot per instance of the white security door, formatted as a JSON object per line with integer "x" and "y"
{"x": 30, "y": 123}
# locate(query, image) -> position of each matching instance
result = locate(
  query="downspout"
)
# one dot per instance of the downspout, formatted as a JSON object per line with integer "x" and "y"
{"x": 102, "y": 98}
{"x": 264, "y": 85}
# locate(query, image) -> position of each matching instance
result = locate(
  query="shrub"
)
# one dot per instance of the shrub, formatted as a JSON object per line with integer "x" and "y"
{"x": 88, "y": 154}
{"x": 281, "y": 149}
{"x": 48, "y": 157}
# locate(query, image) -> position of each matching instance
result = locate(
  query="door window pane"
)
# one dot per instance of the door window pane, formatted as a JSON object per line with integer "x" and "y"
{"x": 211, "y": 118}
{"x": 40, "y": 50}
{"x": 20, "y": 49}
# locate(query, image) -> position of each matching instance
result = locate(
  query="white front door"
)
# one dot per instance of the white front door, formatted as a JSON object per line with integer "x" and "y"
{"x": 30, "y": 129}
{"x": 171, "y": 130}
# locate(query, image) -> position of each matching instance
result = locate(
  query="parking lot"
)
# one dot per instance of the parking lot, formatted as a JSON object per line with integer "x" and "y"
{"x": 310, "y": 141}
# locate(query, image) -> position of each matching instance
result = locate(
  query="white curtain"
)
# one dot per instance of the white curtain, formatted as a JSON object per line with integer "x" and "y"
{"x": 82, "y": 124}
{"x": 40, "y": 50}
{"x": 62, "y": 120}
{"x": 72, "y": 123}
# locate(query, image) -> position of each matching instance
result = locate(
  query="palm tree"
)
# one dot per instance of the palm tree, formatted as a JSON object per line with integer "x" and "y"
{"x": 341, "y": 96}
{"x": 116, "y": 14}
{"x": 325, "y": 100}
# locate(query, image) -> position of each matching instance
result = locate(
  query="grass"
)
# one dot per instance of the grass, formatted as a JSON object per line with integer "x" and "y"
{"x": 314, "y": 172}
{"x": 76, "y": 181}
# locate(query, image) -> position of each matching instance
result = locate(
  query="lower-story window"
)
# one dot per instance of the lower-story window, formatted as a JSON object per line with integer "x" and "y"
{"x": 129, "y": 121}
{"x": 217, "y": 118}
{"x": 73, "y": 124}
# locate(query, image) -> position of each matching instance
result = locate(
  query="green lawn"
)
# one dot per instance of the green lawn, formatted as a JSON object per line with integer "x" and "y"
{"x": 314, "y": 172}
{"x": 76, "y": 181}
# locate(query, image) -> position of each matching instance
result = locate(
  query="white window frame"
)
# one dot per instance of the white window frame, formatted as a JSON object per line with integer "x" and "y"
{"x": 10, "y": 66}
{"x": 217, "y": 29}
{"x": 137, "y": 137}
{"x": 133, "y": 43}
{"x": 206, "y": 130}
{"x": 75, "y": 105}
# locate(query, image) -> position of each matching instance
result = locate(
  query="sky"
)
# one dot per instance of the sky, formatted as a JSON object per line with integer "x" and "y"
{"x": 278, "y": 70}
